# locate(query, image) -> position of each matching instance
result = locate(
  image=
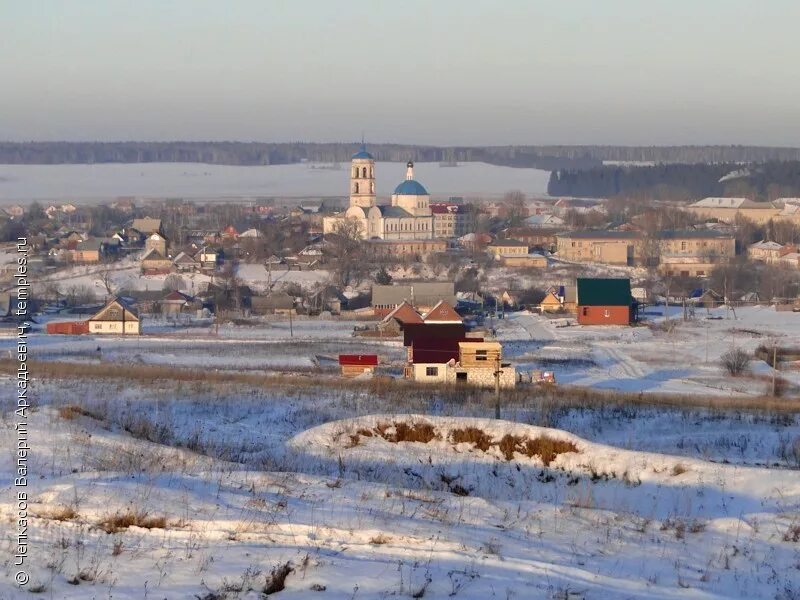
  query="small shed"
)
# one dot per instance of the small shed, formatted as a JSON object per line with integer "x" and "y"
{"x": 68, "y": 328}
{"x": 353, "y": 365}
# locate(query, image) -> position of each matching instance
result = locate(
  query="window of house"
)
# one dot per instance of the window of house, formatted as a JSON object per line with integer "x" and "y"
{"x": 480, "y": 355}
{"x": 431, "y": 371}
{"x": 585, "y": 311}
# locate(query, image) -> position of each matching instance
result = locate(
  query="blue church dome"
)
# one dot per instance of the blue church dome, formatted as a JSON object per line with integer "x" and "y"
{"x": 410, "y": 187}
{"x": 362, "y": 153}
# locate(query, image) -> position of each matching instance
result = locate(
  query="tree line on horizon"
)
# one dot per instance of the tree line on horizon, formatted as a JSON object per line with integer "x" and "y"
{"x": 760, "y": 182}
{"x": 547, "y": 157}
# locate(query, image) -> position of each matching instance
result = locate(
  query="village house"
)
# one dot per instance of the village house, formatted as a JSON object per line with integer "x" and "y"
{"x": 764, "y": 251}
{"x": 117, "y": 317}
{"x": 477, "y": 364}
{"x": 327, "y": 298}
{"x": 501, "y": 248}
{"x": 538, "y": 239}
{"x": 275, "y": 303}
{"x": 514, "y": 253}
{"x": 705, "y": 298}
{"x": 790, "y": 257}
{"x": 544, "y": 221}
{"x": 578, "y": 205}
{"x": 155, "y": 263}
{"x": 251, "y": 234}
{"x": 184, "y": 263}
{"x": 605, "y": 301}
{"x": 131, "y": 238}
{"x": 475, "y": 242}
{"x": 88, "y": 251}
{"x": 208, "y": 257}
{"x": 176, "y": 303}
{"x": 687, "y": 266}
{"x": 147, "y": 225}
{"x": 422, "y": 296}
{"x": 559, "y": 299}
{"x": 156, "y": 241}
{"x": 533, "y": 259}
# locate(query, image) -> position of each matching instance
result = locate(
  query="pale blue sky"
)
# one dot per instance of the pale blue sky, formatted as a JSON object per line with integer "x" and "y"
{"x": 440, "y": 72}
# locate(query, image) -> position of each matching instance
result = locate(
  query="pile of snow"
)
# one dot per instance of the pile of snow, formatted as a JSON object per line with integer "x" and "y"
{"x": 617, "y": 479}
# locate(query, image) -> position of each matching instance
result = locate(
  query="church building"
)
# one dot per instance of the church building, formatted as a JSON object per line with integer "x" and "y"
{"x": 407, "y": 217}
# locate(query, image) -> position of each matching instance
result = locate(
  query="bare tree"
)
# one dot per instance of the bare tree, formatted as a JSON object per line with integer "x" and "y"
{"x": 515, "y": 207}
{"x": 345, "y": 253}
{"x": 107, "y": 283}
{"x": 173, "y": 282}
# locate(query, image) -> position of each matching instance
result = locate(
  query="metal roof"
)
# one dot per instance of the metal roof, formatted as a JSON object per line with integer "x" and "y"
{"x": 362, "y": 153}
{"x": 604, "y": 292}
{"x": 394, "y": 212}
{"x": 601, "y": 234}
{"x": 422, "y": 294}
{"x": 411, "y": 187}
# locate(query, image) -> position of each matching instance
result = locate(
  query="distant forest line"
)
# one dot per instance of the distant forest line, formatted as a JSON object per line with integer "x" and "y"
{"x": 259, "y": 153}
{"x": 762, "y": 182}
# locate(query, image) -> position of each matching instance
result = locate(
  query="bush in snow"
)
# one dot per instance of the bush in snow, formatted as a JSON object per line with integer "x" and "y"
{"x": 735, "y": 361}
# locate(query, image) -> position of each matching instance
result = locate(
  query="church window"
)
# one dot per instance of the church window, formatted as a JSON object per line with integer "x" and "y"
{"x": 364, "y": 172}
{"x": 356, "y": 187}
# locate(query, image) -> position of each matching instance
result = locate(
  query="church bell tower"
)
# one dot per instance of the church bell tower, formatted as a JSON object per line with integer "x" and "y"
{"x": 362, "y": 179}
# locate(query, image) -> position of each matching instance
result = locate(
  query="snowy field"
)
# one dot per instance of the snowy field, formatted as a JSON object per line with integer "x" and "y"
{"x": 95, "y": 183}
{"x": 180, "y": 491}
{"x": 661, "y": 357}
{"x": 222, "y": 491}
{"x": 272, "y": 346}
{"x": 126, "y": 274}
{"x": 676, "y": 357}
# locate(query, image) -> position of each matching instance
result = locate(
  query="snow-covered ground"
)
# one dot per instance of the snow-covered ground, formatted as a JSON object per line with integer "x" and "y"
{"x": 249, "y": 481}
{"x": 225, "y": 484}
{"x": 307, "y": 345}
{"x": 665, "y": 357}
{"x": 676, "y": 357}
{"x": 95, "y": 183}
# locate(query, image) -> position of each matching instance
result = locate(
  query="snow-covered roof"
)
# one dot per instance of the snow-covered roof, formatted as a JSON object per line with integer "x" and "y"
{"x": 728, "y": 203}
{"x": 762, "y": 245}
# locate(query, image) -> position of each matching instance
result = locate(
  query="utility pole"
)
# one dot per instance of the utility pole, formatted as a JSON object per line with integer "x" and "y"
{"x": 497, "y": 386}
{"x": 774, "y": 364}
{"x": 291, "y": 329}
